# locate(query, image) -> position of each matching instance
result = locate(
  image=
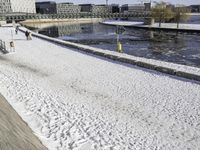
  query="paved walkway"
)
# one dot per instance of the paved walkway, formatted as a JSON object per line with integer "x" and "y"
{"x": 14, "y": 132}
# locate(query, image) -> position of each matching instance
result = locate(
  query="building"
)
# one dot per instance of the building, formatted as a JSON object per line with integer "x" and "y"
{"x": 133, "y": 8}
{"x": 147, "y": 6}
{"x": 114, "y": 8}
{"x": 17, "y": 6}
{"x": 100, "y": 9}
{"x": 48, "y": 7}
{"x": 195, "y": 8}
{"x": 124, "y": 8}
{"x": 5, "y": 6}
{"x": 64, "y": 8}
{"x": 86, "y": 7}
{"x": 183, "y": 9}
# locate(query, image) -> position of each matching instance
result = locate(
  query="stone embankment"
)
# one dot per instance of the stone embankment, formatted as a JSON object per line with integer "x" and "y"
{"x": 164, "y": 26}
{"x": 14, "y": 132}
{"x": 64, "y": 21}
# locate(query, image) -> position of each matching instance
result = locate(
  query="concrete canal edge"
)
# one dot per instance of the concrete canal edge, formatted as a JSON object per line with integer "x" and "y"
{"x": 152, "y": 28}
{"x": 15, "y": 134}
{"x": 117, "y": 57}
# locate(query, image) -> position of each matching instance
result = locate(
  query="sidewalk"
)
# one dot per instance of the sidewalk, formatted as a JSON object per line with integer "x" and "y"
{"x": 14, "y": 132}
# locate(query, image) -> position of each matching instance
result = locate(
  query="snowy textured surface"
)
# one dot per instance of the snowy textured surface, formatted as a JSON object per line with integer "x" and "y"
{"x": 75, "y": 101}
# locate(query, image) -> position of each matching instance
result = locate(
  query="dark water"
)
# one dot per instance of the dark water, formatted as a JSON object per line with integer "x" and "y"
{"x": 194, "y": 20}
{"x": 181, "y": 48}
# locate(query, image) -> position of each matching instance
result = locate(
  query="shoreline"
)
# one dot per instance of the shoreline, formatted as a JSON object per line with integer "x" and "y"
{"x": 187, "y": 72}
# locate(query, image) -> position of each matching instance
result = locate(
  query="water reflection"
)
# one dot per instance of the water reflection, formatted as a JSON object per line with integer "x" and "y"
{"x": 180, "y": 48}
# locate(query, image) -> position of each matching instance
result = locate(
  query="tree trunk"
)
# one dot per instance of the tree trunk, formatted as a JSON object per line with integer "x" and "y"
{"x": 178, "y": 24}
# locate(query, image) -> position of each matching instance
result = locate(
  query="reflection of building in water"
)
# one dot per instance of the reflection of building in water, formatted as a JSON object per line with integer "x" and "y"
{"x": 64, "y": 8}
{"x": 166, "y": 42}
{"x": 51, "y": 32}
{"x": 68, "y": 29}
{"x": 64, "y": 30}
{"x": 101, "y": 29}
{"x": 19, "y": 6}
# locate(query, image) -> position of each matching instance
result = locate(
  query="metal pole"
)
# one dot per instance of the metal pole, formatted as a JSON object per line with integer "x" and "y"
{"x": 119, "y": 45}
{"x": 12, "y": 35}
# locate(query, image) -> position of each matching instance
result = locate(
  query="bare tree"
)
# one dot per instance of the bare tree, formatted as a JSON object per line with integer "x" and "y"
{"x": 161, "y": 12}
{"x": 180, "y": 14}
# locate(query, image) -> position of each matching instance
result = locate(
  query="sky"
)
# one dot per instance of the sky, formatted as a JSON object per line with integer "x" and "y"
{"x": 185, "y": 2}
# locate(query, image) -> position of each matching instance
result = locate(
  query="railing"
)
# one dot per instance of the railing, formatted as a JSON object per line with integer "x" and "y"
{"x": 3, "y": 46}
{"x": 77, "y": 15}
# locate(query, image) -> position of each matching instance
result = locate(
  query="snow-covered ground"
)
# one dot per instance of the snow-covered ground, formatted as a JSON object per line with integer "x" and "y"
{"x": 155, "y": 25}
{"x": 122, "y": 23}
{"x": 72, "y": 100}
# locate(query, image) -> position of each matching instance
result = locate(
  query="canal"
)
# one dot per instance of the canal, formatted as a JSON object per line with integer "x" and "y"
{"x": 180, "y": 48}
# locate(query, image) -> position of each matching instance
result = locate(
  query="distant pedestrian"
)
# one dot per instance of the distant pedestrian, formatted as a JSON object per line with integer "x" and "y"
{"x": 17, "y": 29}
{"x": 26, "y": 34}
{"x": 12, "y": 46}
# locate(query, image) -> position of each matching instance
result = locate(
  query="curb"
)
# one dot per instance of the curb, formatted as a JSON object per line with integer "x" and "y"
{"x": 117, "y": 57}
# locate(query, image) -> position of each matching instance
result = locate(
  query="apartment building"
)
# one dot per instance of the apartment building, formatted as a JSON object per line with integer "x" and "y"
{"x": 100, "y": 9}
{"x": 64, "y": 8}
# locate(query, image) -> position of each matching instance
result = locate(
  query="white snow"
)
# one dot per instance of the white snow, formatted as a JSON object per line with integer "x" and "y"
{"x": 123, "y": 23}
{"x": 74, "y": 101}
